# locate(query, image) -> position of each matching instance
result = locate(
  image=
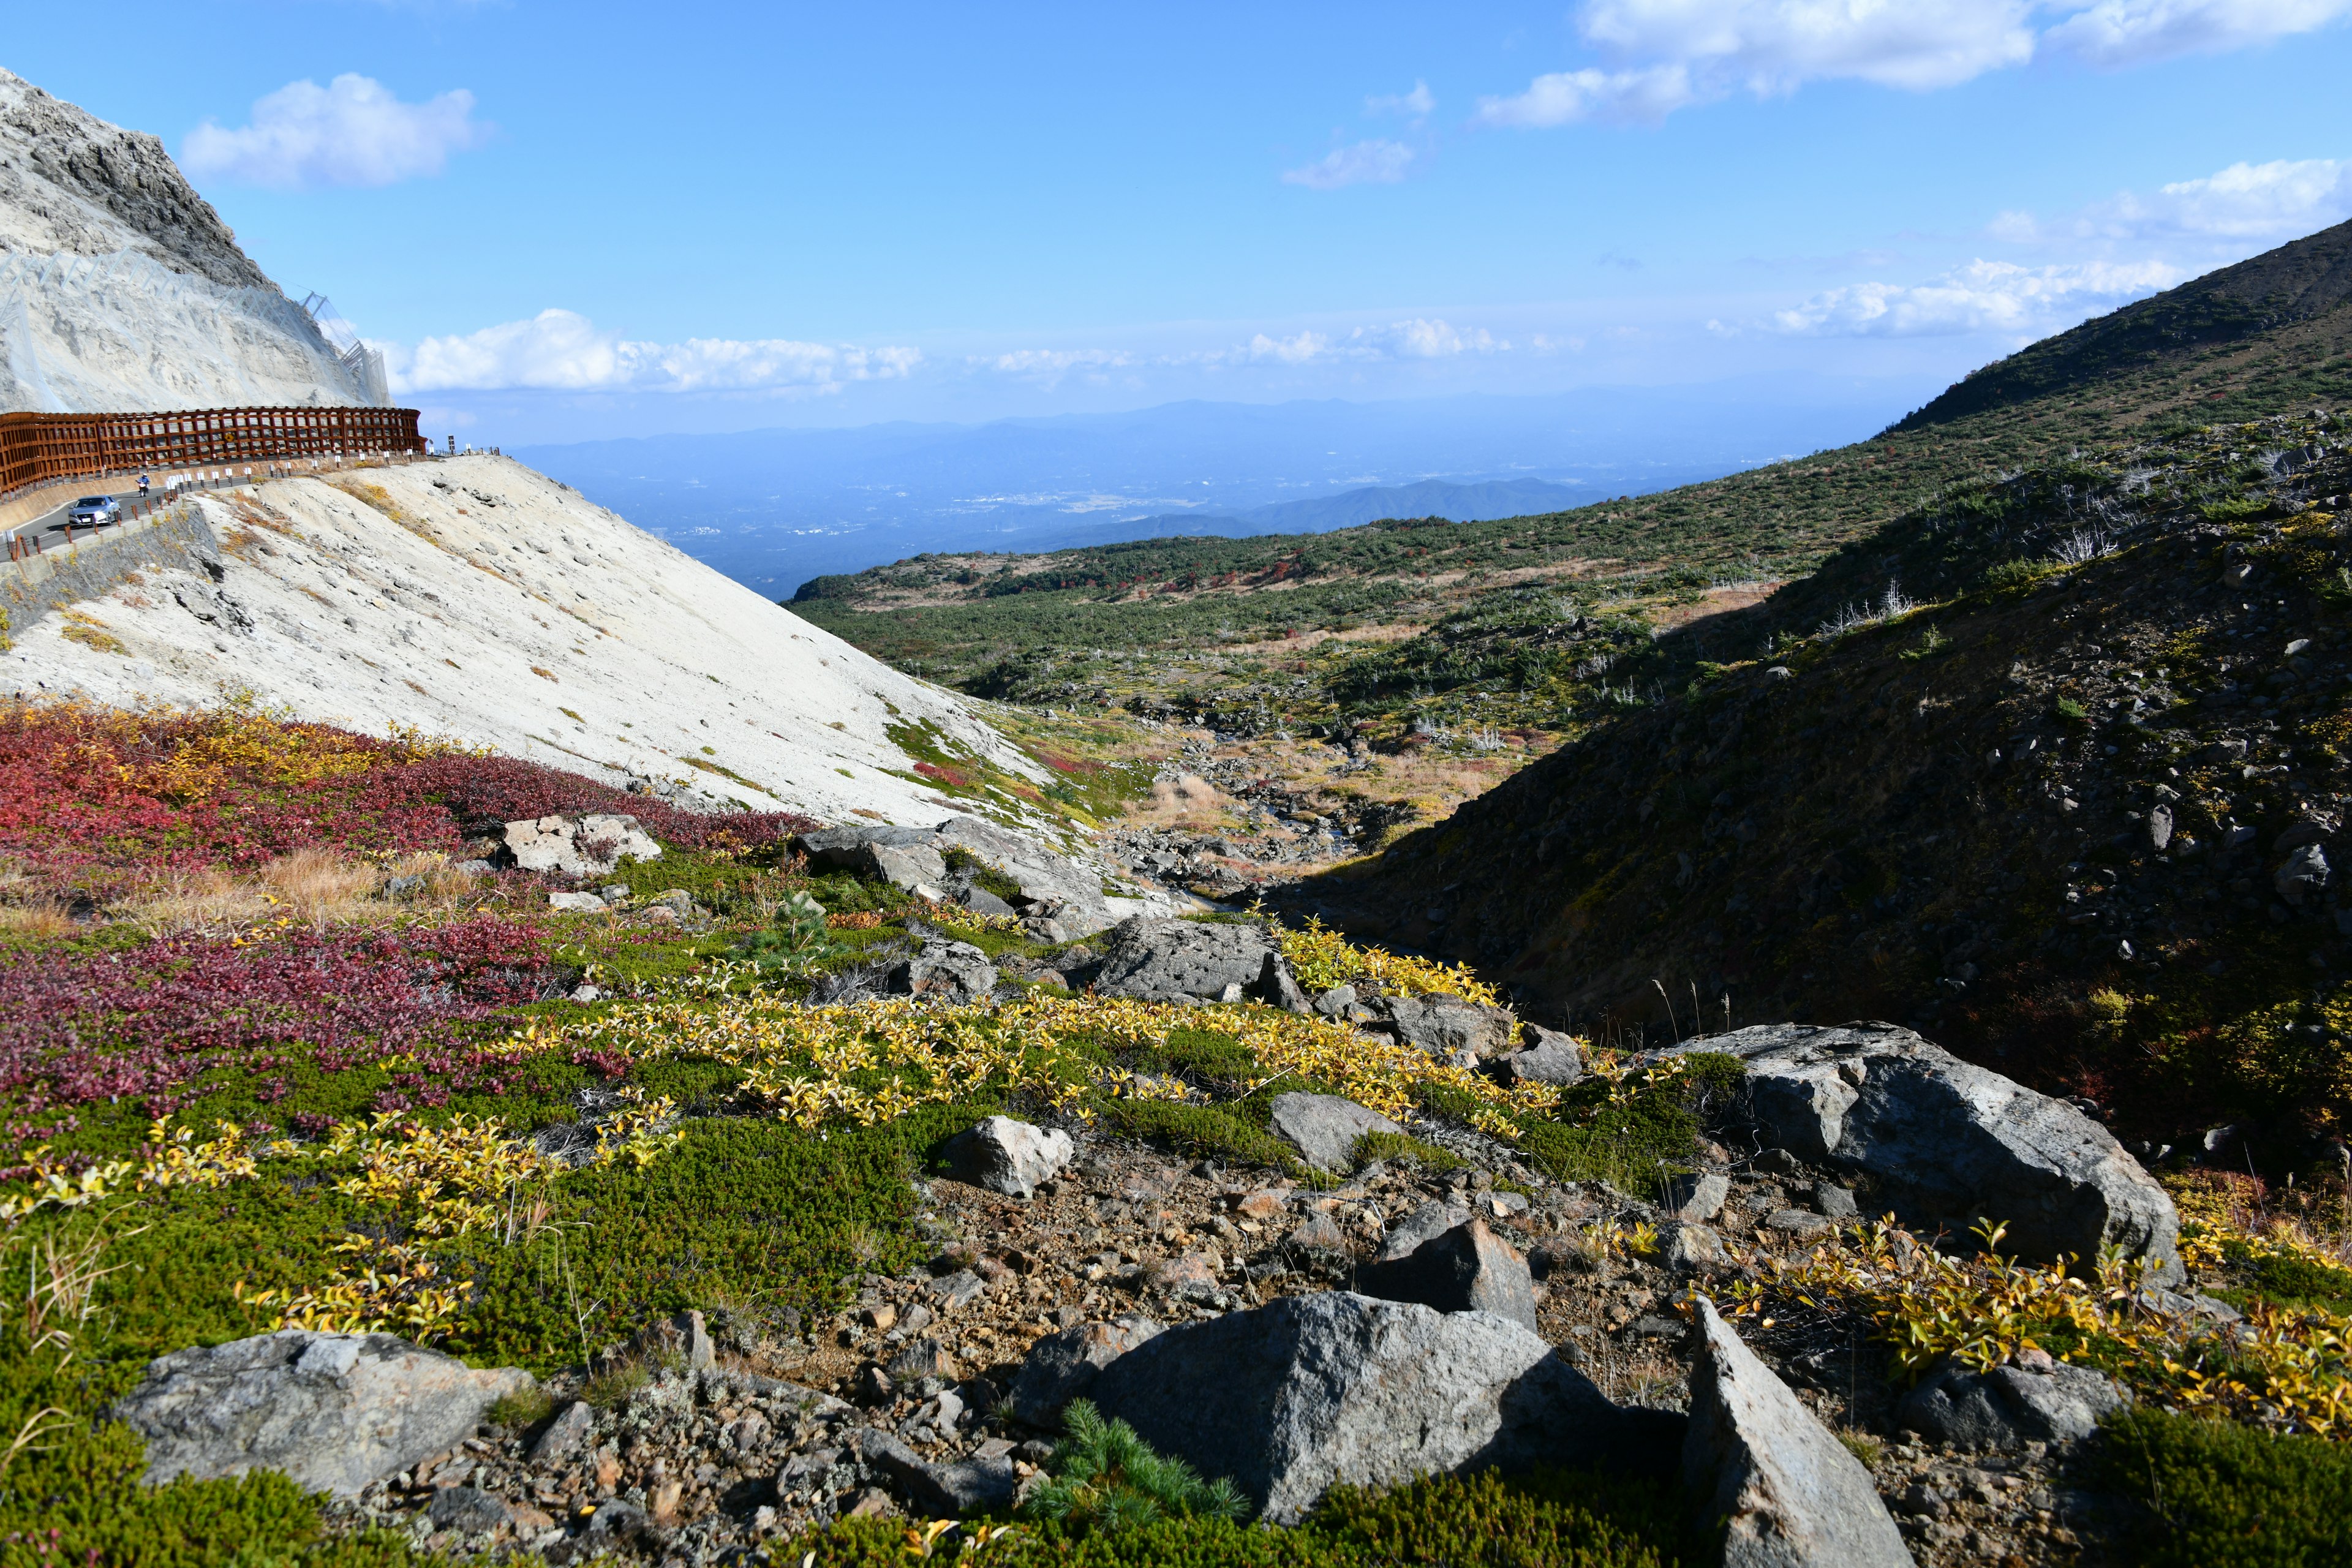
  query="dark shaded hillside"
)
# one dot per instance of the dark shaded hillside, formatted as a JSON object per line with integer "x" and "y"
{"x": 1948, "y": 813}
{"x": 2298, "y": 282}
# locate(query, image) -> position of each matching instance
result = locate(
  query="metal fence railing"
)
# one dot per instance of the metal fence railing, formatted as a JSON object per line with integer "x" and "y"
{"x": 37, "y": 449}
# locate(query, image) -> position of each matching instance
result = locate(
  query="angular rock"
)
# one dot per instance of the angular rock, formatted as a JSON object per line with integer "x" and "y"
{"x": 1790, "y": 1493}
{"x": 902, "y": 857}
{"x": 1466, "y": 1269}
{"x": 1695, "y": 1196}
{"x": 969, "y": 1486}
{"x": 334, "y": 1412}
{"x": 1448, "y": 1027}
{"x": 681, "y": 1341}
{"x": 1336, "y": 1002}
{"x": 2303, "y": 876}
{"x": 1325, "y": 1128}
{"x": 1157, "y": 960}
{"x": 1008, "y": 1156}
{"x": 565, "y": 1436}
{"x": 942, "y": 970}
{"x": 920, "y": 1359}
{"x": 1310, "y": 1391}
{"x": 591, "y": 846}
{"x": 1838, "y": 1203}
{"x": 1051, "y": 884}
{"x": 1431, "y": 1220}
{"x": 1062, "y": 1366}
{"x": 1319, "y": 1232}
{"x": 1688, "y": 1249}
{"x": 1950, "y": 1144}
{"x": 1545, "y": 1056}
{"x": 1277, "y": 986}
{"x": 575, "y": 903}
{"x": 468, "y": 1510}
{"x": 2011, "y": 1406}
{"x": 1191, "y": 1276}
{"x": 616, "y": 1521}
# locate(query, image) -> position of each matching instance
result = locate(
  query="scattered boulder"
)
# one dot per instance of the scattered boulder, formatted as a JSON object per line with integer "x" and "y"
{"x": 1952, "y": 1143}
{"x": 1696, "y": 1196}
{"x": 1431, "y": 1220}
{"x": 1051, "y": 884}
{"x": 591, "y": 846}
{"x": 1158, "y": 960}
{"x": 1310, "y": 1391}
{"x": 1062, "y": 1366}
{"x": 942, "y": 970}
{"x": 1690, "y": 1249}
{"x": 1449, "y": 1027}
{"x": 334, "y": 1412}
{"x": 2011, "y": 1406}
{"x": 682, "y": 1342}
{"x": 576, "y": 903}
{"x": 969, "y": 1486}
{"x": 1545, "y": 1056}
{"x": 1791, "y": 1494}
{"x": 1325, "y": 1128}
{"x": 1468, "y": 1268}
{"x": 565, "y": 1436}
{"x": 469, "y": 1510}
{"x": 2303, "y": 876}
{"x": 903, "y": 856}
{"x": 1007, "y": 1156}
{"x": 1277, "y": 986}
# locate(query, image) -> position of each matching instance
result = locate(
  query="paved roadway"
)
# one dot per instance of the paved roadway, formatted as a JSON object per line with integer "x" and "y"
{"x": 51, "y": 527}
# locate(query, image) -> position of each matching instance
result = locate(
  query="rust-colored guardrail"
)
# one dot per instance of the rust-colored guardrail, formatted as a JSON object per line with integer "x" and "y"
{"x": 37, "y": 448}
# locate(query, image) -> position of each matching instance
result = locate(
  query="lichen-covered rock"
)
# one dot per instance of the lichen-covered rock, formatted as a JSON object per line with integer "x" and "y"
{"x": 589, "y": 845}
{"x": 1450, "y": 1027}
{"x": 333, "y": 1412}
{"x": 1952, "y": 1144}
{"x": 942, "y": 970}
{"x": 1156, "y": 960}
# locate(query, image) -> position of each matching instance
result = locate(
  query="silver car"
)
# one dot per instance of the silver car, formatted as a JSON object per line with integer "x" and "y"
{"x": 95, "y": 512}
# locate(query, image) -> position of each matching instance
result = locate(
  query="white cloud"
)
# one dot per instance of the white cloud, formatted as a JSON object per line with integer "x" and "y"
{"x": 1417, "y": 339}
{"x": 563, "y": 351}
{"x": 1377, "y": 161}
{"x": 2262, "y": 202}
{"x": 1415, "y": 104}
{"x": 1983, "y": 295}
{"x": 352, "y": 132}
{"x": 2116, "y": 33}
{"x": 1674, "y": 53}
{"x": 1660, "y": 55}
{"x": 1032, "y": 362}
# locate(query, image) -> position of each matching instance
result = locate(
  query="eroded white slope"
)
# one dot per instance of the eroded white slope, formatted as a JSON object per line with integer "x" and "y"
{"x": 506, "y": 610}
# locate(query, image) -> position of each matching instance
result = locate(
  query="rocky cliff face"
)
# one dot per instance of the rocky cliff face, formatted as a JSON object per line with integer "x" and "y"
{"x": 122, "y": 289}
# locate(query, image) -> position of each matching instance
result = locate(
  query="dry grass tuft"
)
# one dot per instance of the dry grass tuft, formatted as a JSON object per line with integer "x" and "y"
{"x": 309, "y": 887}
{"x": 44, "y": 919}
{"x": 1190, "y": 803}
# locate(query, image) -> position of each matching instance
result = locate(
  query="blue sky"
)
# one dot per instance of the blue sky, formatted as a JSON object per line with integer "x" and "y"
{"x": 585, "y": 219}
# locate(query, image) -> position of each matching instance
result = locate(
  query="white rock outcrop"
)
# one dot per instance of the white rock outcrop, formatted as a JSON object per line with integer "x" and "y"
{"x": 122, "y": 290}
{"x": 474, "y": 599}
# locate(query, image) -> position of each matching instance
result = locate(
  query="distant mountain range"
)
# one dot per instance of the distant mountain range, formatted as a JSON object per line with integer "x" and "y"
{"x": 775, "y": 508}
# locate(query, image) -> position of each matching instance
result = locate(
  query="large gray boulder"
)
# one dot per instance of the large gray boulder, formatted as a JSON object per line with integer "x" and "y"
{"x": 1157, "y": 960}
{"x": 1430, "y": 1221}
{"x": 1952, "y": 1144}
{"x": 1545, "y": 1056}
{"x": 334, "y": 1412}
{"x": 906, "y": 858}
{"x": 942, "y": 970}
{"x": 1293, "y": 1397}
{"x": 1325, "y": 1128}
{"x": 1007, "y": 1156}
{"x": 1063, "y": 1367}
{"x": 2011, "y": 1406}
{"x": 1051, "y": 884}
{"x": 1785, "y": 1490}
{"x": 591, "y": 846}
{"x": 952, "y": 1488}
{"x": 1468, "y": 1268}
{"x": 1449, "y": 1027}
